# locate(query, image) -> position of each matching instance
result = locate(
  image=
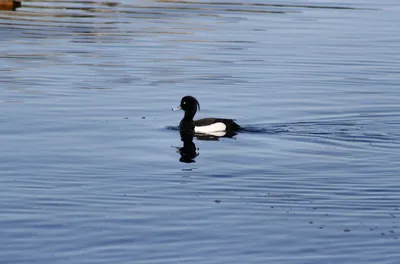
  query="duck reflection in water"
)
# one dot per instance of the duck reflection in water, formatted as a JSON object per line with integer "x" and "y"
{"x": 189, "y": 151}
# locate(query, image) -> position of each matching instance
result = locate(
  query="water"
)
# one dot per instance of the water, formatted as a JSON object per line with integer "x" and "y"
{"x": 90, "y": 156}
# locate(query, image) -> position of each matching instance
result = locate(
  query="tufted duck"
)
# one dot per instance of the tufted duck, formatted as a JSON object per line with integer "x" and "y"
{"x": 190, "y": 105}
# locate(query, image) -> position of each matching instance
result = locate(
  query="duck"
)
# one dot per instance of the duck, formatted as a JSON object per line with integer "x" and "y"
{"x": 211, "y": 125}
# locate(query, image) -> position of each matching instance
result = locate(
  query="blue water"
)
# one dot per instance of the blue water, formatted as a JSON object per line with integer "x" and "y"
{"x": 90, "y": 163}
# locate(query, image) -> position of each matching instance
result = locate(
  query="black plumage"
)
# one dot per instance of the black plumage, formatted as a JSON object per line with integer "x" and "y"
{"x": 190, "y": 105}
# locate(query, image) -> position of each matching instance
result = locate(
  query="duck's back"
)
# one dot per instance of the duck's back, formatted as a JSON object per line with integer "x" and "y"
{"x": 215, "y": 124}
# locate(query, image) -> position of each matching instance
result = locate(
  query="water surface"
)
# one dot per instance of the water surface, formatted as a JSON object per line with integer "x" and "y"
{"x": 90, "y": 164}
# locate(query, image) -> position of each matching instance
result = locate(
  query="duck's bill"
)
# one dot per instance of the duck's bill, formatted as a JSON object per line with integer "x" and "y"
{"x": 177, "y": 108}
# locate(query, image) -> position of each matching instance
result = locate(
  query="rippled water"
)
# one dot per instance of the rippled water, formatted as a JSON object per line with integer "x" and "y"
{"x": 91, "y": 167}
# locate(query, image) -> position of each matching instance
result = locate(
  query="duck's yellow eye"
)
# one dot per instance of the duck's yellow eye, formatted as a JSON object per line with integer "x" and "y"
{"x": 184, "y": 102}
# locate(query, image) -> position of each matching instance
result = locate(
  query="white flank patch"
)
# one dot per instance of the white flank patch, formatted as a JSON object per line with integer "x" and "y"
{"x": 216, "y": 134}
{"x": 216, "y": 127}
